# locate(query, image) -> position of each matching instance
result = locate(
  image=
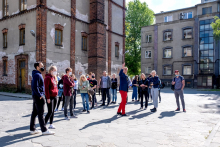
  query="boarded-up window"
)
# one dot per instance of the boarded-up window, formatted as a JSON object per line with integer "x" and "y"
{"x": 4, "y": 40}
{"x": 22, "y": 36}
{"x": 84, "y": 43}
{"x": 58, "y": 37}
{"x": 23, "y": 5}
{"x": 5, "y": 67}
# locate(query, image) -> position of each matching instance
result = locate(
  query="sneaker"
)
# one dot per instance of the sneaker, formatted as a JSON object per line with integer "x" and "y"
{"x": 124, "y": 115}
{"x": 184, "y": 110}
{"x": 119, "y": 113}
{"x": 154, "y": 110}
{"x": 35, "y": 132}
{"x": 141, "y": 108}
{"x": 177, "y": 109}
{"x": 48, "y": 132}
{"x": 102, "y": 105}
{"x": 73, "y": 116}
{"x": 62, "y": 109}
{"x": 55, "y": 110}
{"x": 159, "y": 101}
{"x": 132, "y": 100}
{"x": 84, "y": 111}
{"x": 88, "y": 112}
{"x": 67, "y": 118}
{"x": 52, "y": 127}
{"x": 145, "y": 108}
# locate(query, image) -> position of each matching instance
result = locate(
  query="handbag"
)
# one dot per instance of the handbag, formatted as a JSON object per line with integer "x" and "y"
{"x": 173, "y": 86}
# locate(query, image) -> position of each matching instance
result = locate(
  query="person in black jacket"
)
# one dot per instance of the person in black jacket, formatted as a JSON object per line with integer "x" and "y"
{"x": 60, "y": 93}
{"x": 144, "y": 90}
{"x": 114, "y": 85}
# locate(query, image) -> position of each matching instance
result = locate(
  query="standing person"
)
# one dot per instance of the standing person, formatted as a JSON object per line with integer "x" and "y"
{"x": 144, "y": 90}
{"x": 139, "y": 88}
{"x": 123, "y": 88}
{"x": 51, "y": 92}
{"x": 149, "y": 89}
{"x": 67, "y": 90}
{"x": 105, "y": 84}
{"x": 93, "y": 84}
{"x": 114, "y": 85}
{"x": 75, "y": 91}
{"x": 135, "y": 88}
{"x": 60, "y": 94}
{"x": 83, "y": 87}
{"x": 159, "y": 90}
{"x": 179, "y": 84}
{"x": 154, "y": 82}
{"x": 58, "y": 77}
{"x": 37, "y": 87}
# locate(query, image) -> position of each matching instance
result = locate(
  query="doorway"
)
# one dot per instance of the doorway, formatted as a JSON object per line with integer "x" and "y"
{"x": 21, "y": 75}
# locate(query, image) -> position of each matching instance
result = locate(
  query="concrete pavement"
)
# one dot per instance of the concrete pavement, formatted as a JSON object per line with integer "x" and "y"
{"x": 199, "y": 126}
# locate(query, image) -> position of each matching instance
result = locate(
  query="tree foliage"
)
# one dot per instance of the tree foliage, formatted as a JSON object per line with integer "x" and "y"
{"x": 137, "y": 15}
{"x": 216, "y": 28}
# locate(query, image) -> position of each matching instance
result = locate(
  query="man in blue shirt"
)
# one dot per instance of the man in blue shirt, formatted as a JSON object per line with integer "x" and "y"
{"x": 123, "y": 89}
{"x": 37, "y": 86}
{"x": 179, "y": 84}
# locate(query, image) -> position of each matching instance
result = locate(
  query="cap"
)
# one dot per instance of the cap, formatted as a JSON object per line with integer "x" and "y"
{"x": 176, "y": 71}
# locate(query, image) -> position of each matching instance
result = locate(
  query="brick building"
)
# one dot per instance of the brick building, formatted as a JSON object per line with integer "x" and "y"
{"x": 183, "y": 40}
{"x": 86, "y": 35}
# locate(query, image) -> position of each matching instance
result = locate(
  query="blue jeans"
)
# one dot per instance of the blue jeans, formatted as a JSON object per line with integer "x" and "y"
{"x": 114, "y": 95}
{"x": 85, "y": 96}
{"x": 134, "y": 94}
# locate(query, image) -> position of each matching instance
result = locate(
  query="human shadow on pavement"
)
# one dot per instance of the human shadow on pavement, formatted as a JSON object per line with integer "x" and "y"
{"x": 168, "y": 114}
{"x": 141, "y": 115}
{"x": 109, "y": 120}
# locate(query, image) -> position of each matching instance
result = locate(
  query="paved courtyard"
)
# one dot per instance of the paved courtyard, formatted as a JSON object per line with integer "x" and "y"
{"x": 199, "y": 126}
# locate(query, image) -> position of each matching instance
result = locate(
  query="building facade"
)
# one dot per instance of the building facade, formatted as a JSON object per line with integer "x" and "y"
{"x": 183, "y": 40}
{"x": 86, "y": 35}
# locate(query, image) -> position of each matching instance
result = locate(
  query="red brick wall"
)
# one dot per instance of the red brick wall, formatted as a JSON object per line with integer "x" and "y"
{"x": 97, "y": 38}
{"x": 109, "y": 36}
{"x": 123, "y": 30}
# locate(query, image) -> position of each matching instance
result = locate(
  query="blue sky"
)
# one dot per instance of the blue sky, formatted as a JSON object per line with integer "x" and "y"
{"x": 168, "y": 5}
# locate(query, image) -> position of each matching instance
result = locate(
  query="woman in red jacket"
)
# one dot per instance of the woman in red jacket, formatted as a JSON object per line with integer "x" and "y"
{"x": 51, "y": 92}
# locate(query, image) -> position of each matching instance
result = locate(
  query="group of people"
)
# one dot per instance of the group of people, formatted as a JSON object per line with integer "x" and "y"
{"x": 65, "y": 88}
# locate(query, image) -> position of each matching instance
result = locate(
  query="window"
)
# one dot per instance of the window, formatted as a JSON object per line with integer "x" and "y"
{"x": 187, "y": 51}
{"x": 147, "y": 54}
{"x": 4, "y": 40}
{"x": 168, "y": 18}
{"x": 116, "y": 51}
{"x": 58, "y": 37}
{"x": 167, "y": 36}
{"x": 187, "y": 15}
{"x": 167, "y": 70}
{"x": 149, "y": 39}
{"x": 23, "y": 5}
{"x": 187, "y": 70}
{"x": 207, "y": 10}
{"x": 167, "y": 53}
{"x": 148, "y": 70}
{"x": 84, "y": 43}
{"x": 206, "y": 47}
{"x": 5, "y": 8}
{"x": 187, "y": 34}
{"x": 22, "y": 36}
{"x": 5, "y": 64}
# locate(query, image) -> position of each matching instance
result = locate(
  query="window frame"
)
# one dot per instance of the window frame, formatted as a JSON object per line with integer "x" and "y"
{"x": 84, "y": 43}
{"x": 5, "y": 68}
{"x": 147, "y": 68}
{"x": 187, "y": 64}
{"x": 167, "y": 18}
{"x": 187, "y": 15}
{"x": 117, "y": 51}
{"x": 205, "y": 11}
{"x": 23, "y": 5}
{"x": 168, "y": 30}
{"x": 22, "y": 37}
{"x": 3, "y": 7}
{"x": 57, "y": 38}
{"x": 186, "y": 28}
{"x": 166, "y": 48}
{"x": 167, "y": 65}
{"x": 5, "y": 42}
{"x": 150, "y": 54}
{"x": 148, "y": 40}
{"x": 187, "y": 46}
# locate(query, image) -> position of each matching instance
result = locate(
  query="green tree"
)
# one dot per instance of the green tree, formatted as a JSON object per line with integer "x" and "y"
{"x": 216, "y": 28}
{"x": 137, "y": 15}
